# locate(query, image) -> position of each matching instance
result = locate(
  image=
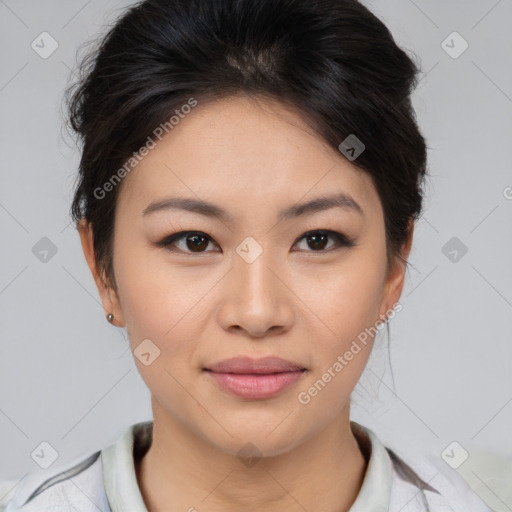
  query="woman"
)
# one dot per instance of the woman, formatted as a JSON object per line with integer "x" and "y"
{"x": 250, "y": 177}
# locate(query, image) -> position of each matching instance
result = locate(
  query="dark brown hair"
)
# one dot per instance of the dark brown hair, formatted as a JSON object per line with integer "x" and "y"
{"x": 333, "y": 61}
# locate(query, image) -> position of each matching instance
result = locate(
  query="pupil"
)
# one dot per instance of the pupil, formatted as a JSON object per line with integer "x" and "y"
{"x": 316, "y": 238}
{"x": 196, "y": 242}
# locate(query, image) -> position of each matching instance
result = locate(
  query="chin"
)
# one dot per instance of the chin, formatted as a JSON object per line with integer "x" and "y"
{"x": 250, "y": 446}
{"x": 267, "y": 437}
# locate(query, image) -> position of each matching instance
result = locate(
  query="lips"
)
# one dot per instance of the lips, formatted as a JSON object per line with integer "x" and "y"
{"x": 247, "y": 365}
{"x": 254, "y": 379}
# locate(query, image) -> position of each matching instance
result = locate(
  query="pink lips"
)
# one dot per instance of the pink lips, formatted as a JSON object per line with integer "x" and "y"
{"x": 255, "y": 378}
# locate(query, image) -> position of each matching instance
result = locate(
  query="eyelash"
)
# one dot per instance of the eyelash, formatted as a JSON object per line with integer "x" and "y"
{"x": 341, "y": 239}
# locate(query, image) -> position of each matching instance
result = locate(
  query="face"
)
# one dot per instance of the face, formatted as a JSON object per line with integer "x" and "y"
{"x": 254, "y": 282}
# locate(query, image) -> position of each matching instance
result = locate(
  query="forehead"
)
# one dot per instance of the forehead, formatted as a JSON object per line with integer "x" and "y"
{"x": 245, "y": 151}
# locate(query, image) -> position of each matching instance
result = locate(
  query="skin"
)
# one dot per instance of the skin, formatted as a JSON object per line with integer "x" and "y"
{"x": 253, "y": 157}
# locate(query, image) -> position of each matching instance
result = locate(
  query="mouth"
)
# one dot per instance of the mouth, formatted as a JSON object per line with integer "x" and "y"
{"x": 255, "y": 378}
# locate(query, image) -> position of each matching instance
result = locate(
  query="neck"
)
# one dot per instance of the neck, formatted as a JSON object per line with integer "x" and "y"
{"x": 181, "y": 471}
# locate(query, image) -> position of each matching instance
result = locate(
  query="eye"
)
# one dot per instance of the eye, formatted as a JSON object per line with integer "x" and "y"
{"x": 194, "y": 241}
{"x": 197, "y": 241}
{"x": 318, "y": 240}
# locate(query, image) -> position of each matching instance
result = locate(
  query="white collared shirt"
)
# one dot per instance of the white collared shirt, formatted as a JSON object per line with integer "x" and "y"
{"x": 106, "y": 481}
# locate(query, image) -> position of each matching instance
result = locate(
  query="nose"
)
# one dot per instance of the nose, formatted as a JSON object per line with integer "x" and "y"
{"x": 256, "y": 299}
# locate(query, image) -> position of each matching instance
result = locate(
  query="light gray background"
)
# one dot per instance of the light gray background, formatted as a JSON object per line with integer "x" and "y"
{"x": 67, "y": 377}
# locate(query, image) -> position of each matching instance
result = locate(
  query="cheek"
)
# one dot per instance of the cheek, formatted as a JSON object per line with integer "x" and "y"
{"x": 168, "y": 305}
{"x": 155, "y": 296}
{"x": 346, "y": 301}
{"x": 160, "y": 305}
{"x": 347, "y": 305}
{"x": 345, "y": 298}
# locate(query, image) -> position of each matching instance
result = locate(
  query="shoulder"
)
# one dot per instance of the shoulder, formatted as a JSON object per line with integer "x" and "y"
{"x": 87, "y": 483}
{"x": 425, "y": 484}
{"x": 399, "y": 484}
{"x": 7, "y": 491}
{"x": 77, "y": 487}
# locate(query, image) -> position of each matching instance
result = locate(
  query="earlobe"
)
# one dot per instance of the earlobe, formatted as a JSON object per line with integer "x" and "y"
{"x": 108, "y": 296}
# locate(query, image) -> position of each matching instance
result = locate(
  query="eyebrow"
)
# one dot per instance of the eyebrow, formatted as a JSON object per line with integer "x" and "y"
{"x": 208, "y": 209}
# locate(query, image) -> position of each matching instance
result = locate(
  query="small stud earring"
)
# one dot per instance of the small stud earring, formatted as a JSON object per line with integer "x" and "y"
{"x": 110, "y": 318}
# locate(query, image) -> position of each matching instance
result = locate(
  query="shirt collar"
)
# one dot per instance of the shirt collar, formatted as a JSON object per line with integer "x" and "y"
{"x": 374, "y": 495}
{"x": 124, "y": 495}
{"x": 119, "y": 477}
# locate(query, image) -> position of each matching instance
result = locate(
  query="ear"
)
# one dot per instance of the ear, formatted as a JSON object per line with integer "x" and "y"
{"x": 109, "y": 296}
{"x": 395, "y": 279}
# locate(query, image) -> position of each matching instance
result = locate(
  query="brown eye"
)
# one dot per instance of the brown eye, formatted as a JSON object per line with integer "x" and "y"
{"x": 195, "y": 242}
{"x": 318, "y": 240}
